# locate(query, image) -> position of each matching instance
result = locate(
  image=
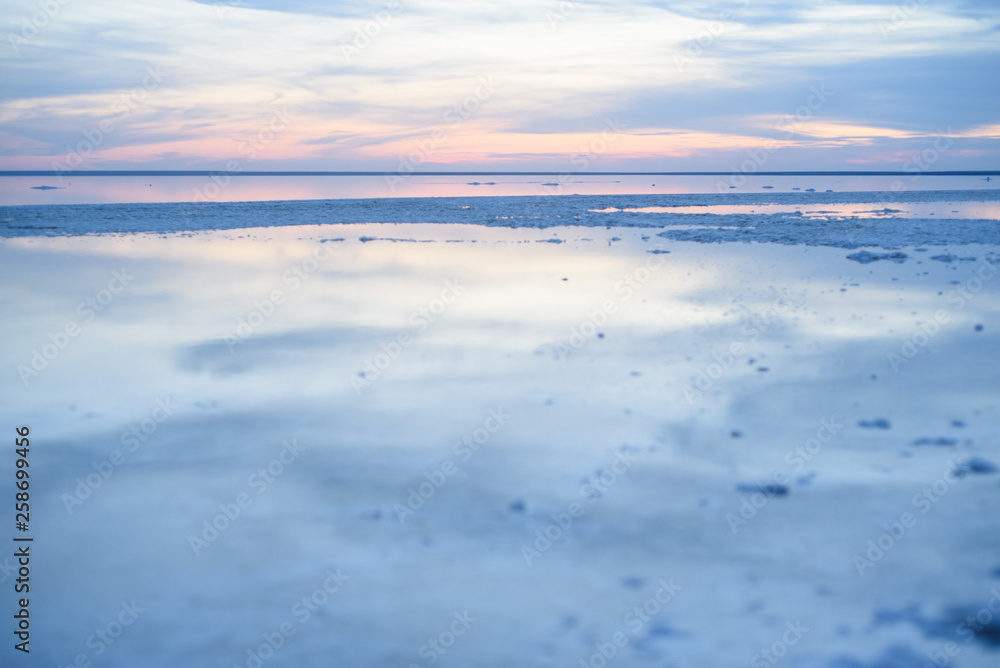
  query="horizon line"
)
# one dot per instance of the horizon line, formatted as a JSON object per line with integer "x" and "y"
{"x": 206, "y": 172}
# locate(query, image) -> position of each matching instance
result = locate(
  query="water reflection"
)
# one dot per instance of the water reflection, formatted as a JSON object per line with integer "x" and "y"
{"x": 224, "y": 347}
{"x": 888, "y": 209}
{"x": 135, "y": 189}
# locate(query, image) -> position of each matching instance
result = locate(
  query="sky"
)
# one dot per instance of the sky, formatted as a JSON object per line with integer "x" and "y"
{"x": 422, "y": 85}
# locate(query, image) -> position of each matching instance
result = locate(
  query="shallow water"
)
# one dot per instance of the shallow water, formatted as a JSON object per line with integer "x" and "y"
{"x": 845, "y": 219}
{"x": 653, "y": 390}
{"x": 943, "y": 208}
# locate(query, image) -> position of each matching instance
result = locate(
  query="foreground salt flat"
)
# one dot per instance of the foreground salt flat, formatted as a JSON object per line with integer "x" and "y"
{"x": 655, "y": 422}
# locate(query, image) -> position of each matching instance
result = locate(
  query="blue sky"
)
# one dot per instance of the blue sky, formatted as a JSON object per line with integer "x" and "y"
{"x": 418, "y": 85}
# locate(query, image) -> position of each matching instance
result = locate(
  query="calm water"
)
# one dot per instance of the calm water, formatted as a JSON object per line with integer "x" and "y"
{"x": 160, "y": 373}
{"x": 589, "y": 346}
{"x": 134, "y": 189}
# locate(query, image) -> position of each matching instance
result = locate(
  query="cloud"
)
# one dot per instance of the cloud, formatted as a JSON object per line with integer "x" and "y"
{"x": 692, "y": 71}
{"x": 340, "y": 9}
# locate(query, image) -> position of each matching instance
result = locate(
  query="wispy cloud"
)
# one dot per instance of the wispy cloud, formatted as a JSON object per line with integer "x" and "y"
{"x": 228, "y": 64}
